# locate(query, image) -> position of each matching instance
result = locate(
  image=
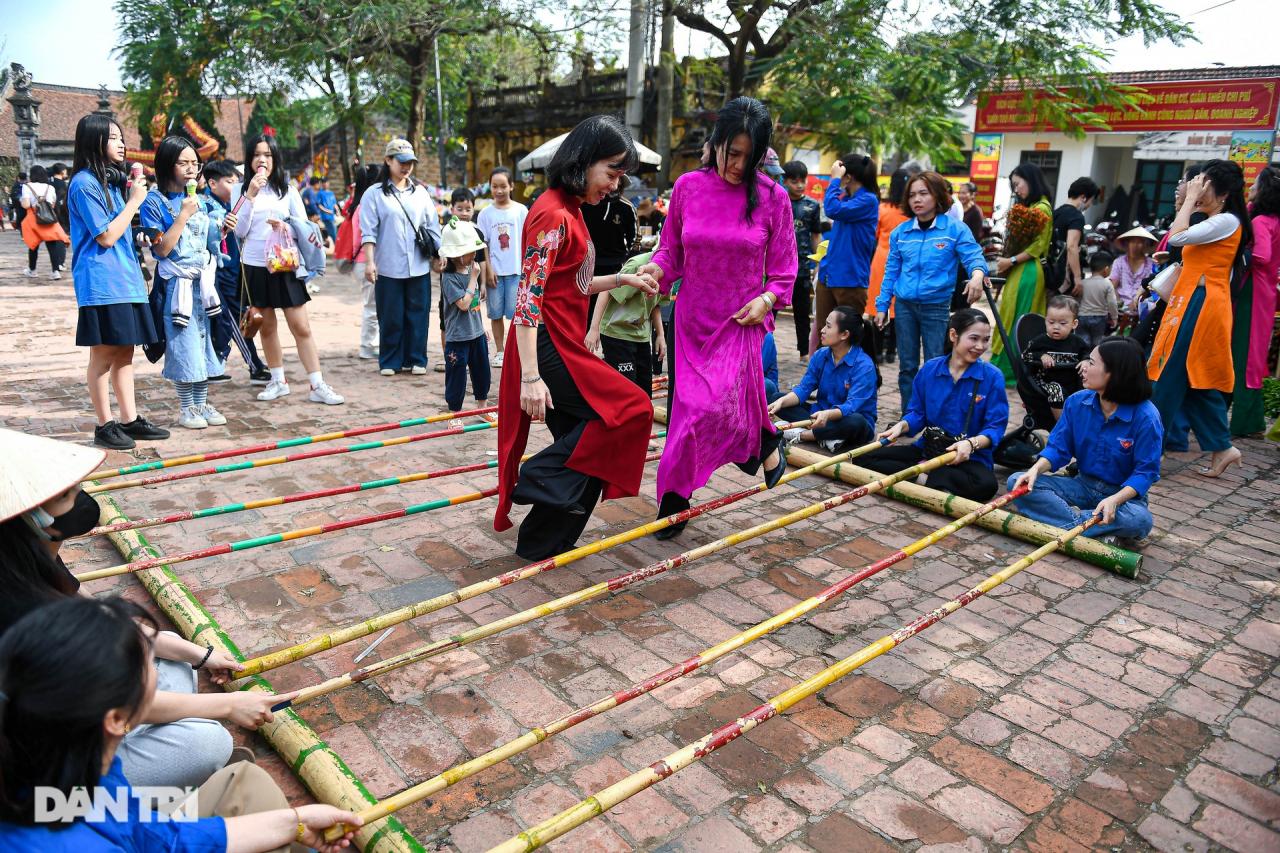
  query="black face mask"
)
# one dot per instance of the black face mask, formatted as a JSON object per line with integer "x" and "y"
{"x": 81, "y": 518}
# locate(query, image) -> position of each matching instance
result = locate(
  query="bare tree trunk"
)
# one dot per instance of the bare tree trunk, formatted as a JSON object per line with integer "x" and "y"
{"x": 636, "y": 71}
{"x": 417, "y": 95}
{"x": 666, "y": 91}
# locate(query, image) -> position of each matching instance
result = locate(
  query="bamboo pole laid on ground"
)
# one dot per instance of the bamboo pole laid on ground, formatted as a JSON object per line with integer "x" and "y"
{"x": 608, "y": 587}
{"x": 320, "y": 768}
{"x": 283, "y": 444}
{"x": 281, "y": 460}
{"x": 1124, "y": 563}
{"x": 707, "y": 656}
{"x": 327, "y": 641}
{"x": 602, "y": 801}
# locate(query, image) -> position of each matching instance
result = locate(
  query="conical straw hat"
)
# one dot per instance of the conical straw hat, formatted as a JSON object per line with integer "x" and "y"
{"x": 34, "y": 469}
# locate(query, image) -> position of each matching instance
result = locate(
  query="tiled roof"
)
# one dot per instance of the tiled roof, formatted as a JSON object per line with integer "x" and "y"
{"x": 63, "y": 106}
{"x": 1215, "y": 73}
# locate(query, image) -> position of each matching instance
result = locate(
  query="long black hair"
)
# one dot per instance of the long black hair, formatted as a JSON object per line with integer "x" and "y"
{"x": 92, "y": 133}
{"x": 862, "y": 170}
{"x": 1267, "y": 201}
{"x": 29, "y": 574}
{"x": 167, "y": 154}
{"x": 62, "y": 668}
{"x": 962, "y": 320}
{"x": 366, "y": 176}
{"x": 275, "y": 180}
{"x": 849, "y": 320}
{"x": 596, "y": 138}
{"x": 742, "y": 115}
{"x": 1037, "y": 186}
{"x": 898, "y": 186}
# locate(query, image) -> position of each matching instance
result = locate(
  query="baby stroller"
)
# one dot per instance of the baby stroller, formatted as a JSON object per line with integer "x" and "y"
{"x": 1020, "y": 447}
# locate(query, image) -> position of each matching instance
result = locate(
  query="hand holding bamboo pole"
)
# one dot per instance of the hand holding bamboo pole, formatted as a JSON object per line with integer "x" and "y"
{"x": 602, "y": 801}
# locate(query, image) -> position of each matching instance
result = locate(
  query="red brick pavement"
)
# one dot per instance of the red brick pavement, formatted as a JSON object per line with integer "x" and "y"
{"x": 1071, "y": 709}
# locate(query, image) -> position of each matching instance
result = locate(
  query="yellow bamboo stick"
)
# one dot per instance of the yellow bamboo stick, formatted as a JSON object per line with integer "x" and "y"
{"x": 599, "y": 803}
{"x": 374, "y": 624}
{"x": 610, "y": 586}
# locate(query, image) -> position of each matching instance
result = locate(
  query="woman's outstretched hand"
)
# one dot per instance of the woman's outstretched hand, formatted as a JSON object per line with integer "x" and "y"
{"x": 642, "y": 282}
{"x": 652, "y": 270}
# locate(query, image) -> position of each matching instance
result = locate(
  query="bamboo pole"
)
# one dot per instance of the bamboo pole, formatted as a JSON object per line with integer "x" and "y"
{"x": 608, "y": 587}
{"x": 324, "y": 642}
{"x": 1124, "y": 563}
{"x": 320, "y": 768}
{"x": 602, "y": 801}
{"x": 283, "y": 444}
{"x": 280, "y": 460}
{"x": 297, "y": 497}
{"x": 707, "y": 656}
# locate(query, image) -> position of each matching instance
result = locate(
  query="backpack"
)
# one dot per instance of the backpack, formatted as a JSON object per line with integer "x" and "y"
{"x": 45, "y": 213}
{"x": 1055, "y": 265}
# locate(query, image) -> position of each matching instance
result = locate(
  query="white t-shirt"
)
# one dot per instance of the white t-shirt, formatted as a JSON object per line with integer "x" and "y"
{"x": 253, "y": 226}
{"x": 501, "y": 228}
{"x": 31, "y": 191}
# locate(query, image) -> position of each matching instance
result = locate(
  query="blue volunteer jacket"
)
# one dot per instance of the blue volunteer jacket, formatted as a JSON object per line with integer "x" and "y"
{"x": 852, "y": 241}
{"x": 849, "y": 386}
{"x": 922, "y": 263}
{"x": 1123, "y": 450}
{"x": 938, "y": 400}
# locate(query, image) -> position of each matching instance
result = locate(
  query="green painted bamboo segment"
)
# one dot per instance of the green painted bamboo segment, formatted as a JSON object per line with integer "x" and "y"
{"x": 315, "y": 645}
{"x": 647, "y": 777}
{"x": 1125, "y": 563}
{"x": 321, "y": 769}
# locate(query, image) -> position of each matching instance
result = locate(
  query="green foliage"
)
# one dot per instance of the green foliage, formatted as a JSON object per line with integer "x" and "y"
{"x": 1271, "y": 396}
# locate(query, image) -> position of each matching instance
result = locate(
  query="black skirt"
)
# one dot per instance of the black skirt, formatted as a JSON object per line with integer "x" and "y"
{"x": 122, "y": 324}
{"x": 274, "y": 290}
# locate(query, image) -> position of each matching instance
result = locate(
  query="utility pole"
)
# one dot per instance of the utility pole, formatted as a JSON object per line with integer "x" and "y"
{"x": 666, "y": 91}
{"x": 635, "y": 71}
{"x": 435, "y": 49}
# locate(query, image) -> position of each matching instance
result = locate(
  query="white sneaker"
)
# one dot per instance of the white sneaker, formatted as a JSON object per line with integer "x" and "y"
{"x": 189, "y": 417}
{"x": 212, "y": 416}
{"x": 30, "y": 273}
{"x": 322, "y": 393}
{"x": 368, "y": 352}
{"x": 791, "y": 435}
{"x": 55, "y": 275}
{"x": 440, "y": 367}
{"x": 274, "y": 391}
{"x": 830, "y": 445}
{"x": 386, "y": 371}
{"x": 496, "y": 361}
{"x": 313, "y": 289}
{"x": 418, "y": 370}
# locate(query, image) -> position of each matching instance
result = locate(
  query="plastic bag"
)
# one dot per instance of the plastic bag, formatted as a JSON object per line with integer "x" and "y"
{"x": 282, "y": 252}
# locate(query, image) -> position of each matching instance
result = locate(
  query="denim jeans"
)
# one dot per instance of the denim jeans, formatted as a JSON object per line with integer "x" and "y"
{"x": 919, "y": 324}
{"x": 404, "y": 313}
{"x": 1067, "y": 501}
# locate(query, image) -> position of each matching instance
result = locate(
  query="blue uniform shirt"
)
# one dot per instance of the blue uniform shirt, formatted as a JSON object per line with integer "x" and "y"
{"x": 769, "y": 358}
{"x": 326, "y": 198}
{"x": 849, "y": 386}
{"x": 103, "y": 276}
{"x": 922, "y": 263}
{"x": 1122, "y": 450}
{"x": 852, "y": 241}
{"x": 133, "y": 835}
{"x": 938, "y": 400}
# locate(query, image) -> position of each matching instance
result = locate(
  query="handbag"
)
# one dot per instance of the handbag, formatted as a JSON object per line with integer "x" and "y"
{"x": 422, "y": 236}
{"x": 937, "y": 440}
{"x": 45, "y": 214}
{"x": 251, "y": 317}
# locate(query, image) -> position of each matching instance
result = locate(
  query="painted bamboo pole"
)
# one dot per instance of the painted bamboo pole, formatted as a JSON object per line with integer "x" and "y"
{"x": 116, "y": 485}
{"x": 283, "y": 444}
{"x": 1125, "y": 563}
{"x": 602, "y": 801}
{"x": 707, "y": 656}
{"x": 607, "y": 587}
{"x": 297, "y": 497}
{"x": 315, "y": 645}
{"x": 316, "y": 763}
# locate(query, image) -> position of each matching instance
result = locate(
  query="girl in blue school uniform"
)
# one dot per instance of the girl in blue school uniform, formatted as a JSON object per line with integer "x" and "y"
{"x": 180, "y": 225}
{"x": 957, "y": 403}
{"x": 1114, "y": 432}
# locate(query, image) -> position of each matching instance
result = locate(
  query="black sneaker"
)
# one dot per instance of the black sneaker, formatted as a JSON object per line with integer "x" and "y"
{"x": 222, "y": 377}
{"x": 111, "y": 436}
{"x": 260, "y": 376}
{"x": 143, "y": 430}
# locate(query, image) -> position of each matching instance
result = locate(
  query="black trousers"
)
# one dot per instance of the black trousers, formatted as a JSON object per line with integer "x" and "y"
{"x": 633, "y": 359}
{"x": 969, "y": 479}
{"x": 801, "y": 307}
{"x": 57, "y": 255}
{"x": 561, "y": 499}
{"x": 225, "y": 328}
{"x": 853, "y": 431}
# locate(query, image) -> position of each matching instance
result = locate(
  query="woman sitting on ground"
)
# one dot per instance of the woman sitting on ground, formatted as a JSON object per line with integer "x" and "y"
{"x": 959, "y": 401}
{"x": 75, "y": 678}
{"x": 845, "y": 378}
{"x": 1114, "y": 433}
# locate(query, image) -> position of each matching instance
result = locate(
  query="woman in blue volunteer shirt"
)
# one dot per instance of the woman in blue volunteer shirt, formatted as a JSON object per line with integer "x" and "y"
{"x": 845, "y": 379}
{"x": 920, "y": 274}
{"x": 1114, "y": 432}
{"x": 961, "y": 396}
{"x": 113, "y": 314}
{"x": 75, "y": 677}
{"x": 852, "y": 203}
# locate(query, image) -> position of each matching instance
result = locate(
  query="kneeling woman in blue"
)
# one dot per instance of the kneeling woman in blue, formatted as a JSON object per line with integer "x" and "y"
{"x": 845, "y": 379}
{"x": 1113, "y": 431}
{"x": 75, "y": 677}
{"x": 958, "y": 400}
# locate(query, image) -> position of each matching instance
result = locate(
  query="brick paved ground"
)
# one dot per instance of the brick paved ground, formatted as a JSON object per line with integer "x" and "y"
{"x": 1070, "y": 709}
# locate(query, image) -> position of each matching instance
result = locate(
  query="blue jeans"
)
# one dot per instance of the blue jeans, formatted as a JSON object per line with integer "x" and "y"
{"x": 1067, "y": 501}
{"x": 500, "y": 301}
{"x": 460, "y": 359}
{"x": 404, "y": 309}
{"x": 918, "y": 323}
